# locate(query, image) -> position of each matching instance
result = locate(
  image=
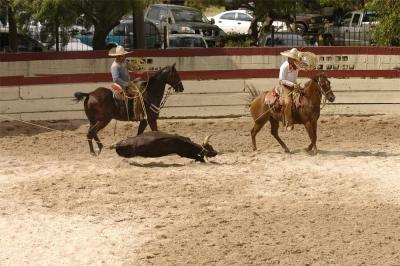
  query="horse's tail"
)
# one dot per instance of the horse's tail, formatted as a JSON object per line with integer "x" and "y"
{"x": 79, "y": 96}
{"x": 253, "y": 93}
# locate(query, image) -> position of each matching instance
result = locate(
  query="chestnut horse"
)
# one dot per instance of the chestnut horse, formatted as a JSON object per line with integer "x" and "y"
{"x": 307, "y": 113}
{"x": 101, "y": 107}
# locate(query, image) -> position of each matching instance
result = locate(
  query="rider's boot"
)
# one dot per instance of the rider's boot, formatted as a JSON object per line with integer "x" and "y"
{"x": 288, "y": 111}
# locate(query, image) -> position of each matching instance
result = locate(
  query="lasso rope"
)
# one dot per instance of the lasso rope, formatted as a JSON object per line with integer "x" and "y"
{"x": 48, "y": 128}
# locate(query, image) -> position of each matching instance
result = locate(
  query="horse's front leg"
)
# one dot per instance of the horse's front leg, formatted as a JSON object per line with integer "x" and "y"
{"x": 153, "y": 124}
{"x": 311, "y": 127}
{"x": 142, "y": 126}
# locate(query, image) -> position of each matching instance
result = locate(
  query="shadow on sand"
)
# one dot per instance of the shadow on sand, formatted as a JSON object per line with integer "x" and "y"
{"x": 351, "y": 153}
{"x": 155, "y": 164}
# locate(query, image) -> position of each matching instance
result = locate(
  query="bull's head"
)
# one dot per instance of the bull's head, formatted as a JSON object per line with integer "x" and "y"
{"x": 208, "y": 150}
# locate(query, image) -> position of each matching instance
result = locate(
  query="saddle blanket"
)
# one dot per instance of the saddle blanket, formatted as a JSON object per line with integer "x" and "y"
{"x": 273, "y": 99}
{"x": 116, "y": 88}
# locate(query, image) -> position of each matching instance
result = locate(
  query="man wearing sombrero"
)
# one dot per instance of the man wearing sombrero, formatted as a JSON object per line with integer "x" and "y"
{"x": 119, "y": 68}
{"x": 120, "y": 76}
{"x": 287, "y": 79}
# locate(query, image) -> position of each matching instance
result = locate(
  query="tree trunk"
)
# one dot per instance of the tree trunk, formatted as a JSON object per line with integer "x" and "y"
{"x": 99, "y": 38}
{"x": 138, "y": 26}
{"x": 12, "y": 30}
{"x": 100, "y": 34}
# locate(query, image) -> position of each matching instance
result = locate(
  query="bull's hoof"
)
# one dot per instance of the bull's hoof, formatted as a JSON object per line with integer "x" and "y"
{"x": 287, "y": 150}
{"x": 93, "y": 153}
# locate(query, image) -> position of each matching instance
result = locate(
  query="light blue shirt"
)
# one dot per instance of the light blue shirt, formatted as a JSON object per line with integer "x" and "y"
{"x": 120, "y": 73}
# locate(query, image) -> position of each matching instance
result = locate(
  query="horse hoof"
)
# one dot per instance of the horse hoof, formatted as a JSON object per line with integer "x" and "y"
{"x": 287, "y": 151}
{"x": 312, "y": 152}
{"x": 93, "y": 154}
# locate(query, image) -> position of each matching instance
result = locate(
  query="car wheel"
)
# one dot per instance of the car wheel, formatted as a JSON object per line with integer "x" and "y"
{"x": 301, "y": 28}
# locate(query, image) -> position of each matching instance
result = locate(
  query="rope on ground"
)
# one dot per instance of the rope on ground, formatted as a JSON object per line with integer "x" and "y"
{"x": 48, "y": 128}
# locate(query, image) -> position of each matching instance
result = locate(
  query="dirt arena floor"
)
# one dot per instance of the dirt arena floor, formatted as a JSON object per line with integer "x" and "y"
{"x": 59, "y": 205}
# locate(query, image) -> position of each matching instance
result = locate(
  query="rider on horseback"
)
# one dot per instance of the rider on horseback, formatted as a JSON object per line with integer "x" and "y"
{"x": 120, "y": 76}
{"x": 287, "y": 79}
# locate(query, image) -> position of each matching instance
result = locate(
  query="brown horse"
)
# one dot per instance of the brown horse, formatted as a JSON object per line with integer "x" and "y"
{"x": 101, "y": 107}
{"x": 307, "y": 112}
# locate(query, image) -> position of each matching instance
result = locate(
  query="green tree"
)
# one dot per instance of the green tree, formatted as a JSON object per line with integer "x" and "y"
{"x": 7, "y": 5}
{"x": 204, "y": 4}
{"x": 105, "y": 15}
{"x": 342, "y": 4}
{"x": 387, "y": 31}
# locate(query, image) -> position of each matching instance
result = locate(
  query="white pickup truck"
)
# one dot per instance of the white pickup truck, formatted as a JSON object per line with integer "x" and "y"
{"x": 354, "y": 29}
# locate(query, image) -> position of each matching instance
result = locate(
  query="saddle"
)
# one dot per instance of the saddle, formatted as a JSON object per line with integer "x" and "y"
{"x": 130, "y": 98}
{"x": 274, "y": 100}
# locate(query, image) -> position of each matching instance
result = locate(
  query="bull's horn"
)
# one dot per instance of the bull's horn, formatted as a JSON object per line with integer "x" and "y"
{"x": 206, "y": 139}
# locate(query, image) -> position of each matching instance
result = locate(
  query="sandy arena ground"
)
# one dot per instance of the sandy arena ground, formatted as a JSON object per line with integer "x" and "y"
{"x": 61, "y": 206}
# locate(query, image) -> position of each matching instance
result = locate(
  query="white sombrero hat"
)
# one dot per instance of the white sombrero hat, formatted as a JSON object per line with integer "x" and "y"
{"x": 292, "y": 53}
{"x": 116, "y": 51}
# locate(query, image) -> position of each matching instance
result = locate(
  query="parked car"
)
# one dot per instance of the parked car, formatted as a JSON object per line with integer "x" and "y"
{"x": 237, "y": 21}
{"x": 283, "y": 39}
{"x": 187, "y": 41}
{"x": 181, "y": 19}
{"x": 122, "y": 34}
{"x": 353, "y": 29}
{"x": 24, "y": 43}
{"x": 74, "y": 44}
{"x": 309, "y": 24}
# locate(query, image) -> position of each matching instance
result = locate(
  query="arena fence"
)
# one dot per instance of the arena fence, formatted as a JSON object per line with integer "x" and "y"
{"x": 41, "y": 85}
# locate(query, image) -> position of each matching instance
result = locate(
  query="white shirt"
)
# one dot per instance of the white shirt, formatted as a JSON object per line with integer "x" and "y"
{"x": 287, "y": 74}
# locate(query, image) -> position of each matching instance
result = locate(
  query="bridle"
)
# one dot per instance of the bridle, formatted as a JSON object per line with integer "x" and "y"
{"x": 323, "y": 92}
{"x": 169, "y": 91}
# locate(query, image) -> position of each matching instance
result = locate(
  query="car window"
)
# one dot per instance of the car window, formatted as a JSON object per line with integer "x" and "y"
{"x": 243, "y": 17}
{"x": 182, "y": 15}
{"x": 356, "y": 18}
{"x": 163, "y": 14}
{"x": 119, "y": 30}
{"x": 370, "y": 17}
{"x": 347, "y": 18}
{"x": 230, "y": 16}
{"x": 154, "y": 13}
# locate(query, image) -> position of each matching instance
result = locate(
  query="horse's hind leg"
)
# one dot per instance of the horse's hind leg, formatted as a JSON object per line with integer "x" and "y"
{"x": 274, "y": 132}
{"x": 99, "y": 126}
{"x": 90, "y": 135}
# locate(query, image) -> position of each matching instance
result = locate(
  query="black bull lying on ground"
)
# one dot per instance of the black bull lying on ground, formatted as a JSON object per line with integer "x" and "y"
{"x": 157, "y": 144}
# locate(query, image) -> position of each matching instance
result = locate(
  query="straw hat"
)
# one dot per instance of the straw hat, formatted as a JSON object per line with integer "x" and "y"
{"x": 117, "y": 51}
{"x": 292, "y": 53}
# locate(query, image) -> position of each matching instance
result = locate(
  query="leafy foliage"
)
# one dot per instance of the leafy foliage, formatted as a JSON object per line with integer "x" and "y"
{"x": 387, "y": 31}
{"x": 342, "y": 4}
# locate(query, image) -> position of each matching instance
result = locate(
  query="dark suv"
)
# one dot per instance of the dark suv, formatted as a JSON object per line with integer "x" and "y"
{"x": 24, "y": 43}
{"x": 185, "y": 20}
